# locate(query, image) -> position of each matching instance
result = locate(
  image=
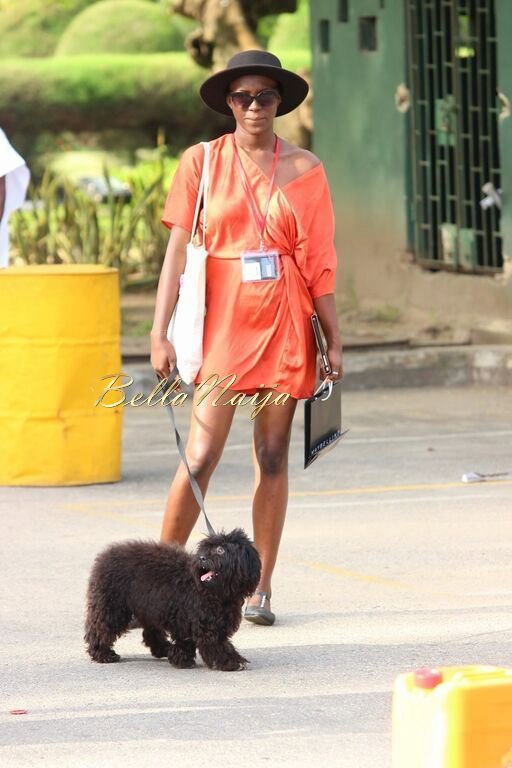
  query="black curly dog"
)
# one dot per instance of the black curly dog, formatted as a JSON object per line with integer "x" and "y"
{"x": 195, "y": 598}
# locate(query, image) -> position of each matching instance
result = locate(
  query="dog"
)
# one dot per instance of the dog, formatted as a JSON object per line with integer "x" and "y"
{"x": 196, "y": 599}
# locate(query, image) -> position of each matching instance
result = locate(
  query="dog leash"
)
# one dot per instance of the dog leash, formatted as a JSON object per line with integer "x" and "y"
{"x": 181, "y": 448}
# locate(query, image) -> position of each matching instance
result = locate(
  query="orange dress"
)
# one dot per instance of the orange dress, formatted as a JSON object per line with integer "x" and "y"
{"x": 259, "y": 331}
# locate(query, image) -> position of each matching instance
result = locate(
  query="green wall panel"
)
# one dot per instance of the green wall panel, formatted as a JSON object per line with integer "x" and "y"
{"x": 504, "y": 29}
{"x": 359, "y": 133}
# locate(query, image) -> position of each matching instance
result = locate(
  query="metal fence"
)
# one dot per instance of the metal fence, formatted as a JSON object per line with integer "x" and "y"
{"x": 455, "y": 107}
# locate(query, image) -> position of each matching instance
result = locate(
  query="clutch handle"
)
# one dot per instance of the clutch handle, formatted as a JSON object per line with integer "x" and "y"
{"x": 320, "y": 343}
{"x": 324, "y": 385}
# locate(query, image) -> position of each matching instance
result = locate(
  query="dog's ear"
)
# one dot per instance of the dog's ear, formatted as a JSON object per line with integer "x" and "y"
{"x": 250, "y": 569}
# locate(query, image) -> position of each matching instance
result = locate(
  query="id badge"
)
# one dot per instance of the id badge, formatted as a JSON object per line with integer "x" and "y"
{"x": 259, "y": 265}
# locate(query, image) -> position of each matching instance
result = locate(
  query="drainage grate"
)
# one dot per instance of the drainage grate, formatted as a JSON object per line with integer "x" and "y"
{"x": 452, "y": 54}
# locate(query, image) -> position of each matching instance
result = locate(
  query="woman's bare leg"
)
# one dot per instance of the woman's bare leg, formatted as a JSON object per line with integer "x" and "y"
{"x": 209, "y": 429}
{"x": 272, "y": 431}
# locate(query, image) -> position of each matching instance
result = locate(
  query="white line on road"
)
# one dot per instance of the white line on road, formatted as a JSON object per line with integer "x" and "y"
{"x": 344, "y": 503}
{"x": 428, "y": 438}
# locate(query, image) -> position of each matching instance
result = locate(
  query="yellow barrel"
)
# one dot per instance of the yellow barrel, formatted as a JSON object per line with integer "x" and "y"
{"x": 453, "y": 717}
{"x": 59, "y": 335}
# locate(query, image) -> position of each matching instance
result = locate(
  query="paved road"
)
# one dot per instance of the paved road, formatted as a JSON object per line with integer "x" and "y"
{"x": 389, "y": 562}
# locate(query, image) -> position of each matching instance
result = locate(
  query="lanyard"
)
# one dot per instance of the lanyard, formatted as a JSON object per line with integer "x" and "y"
{"x": 260, "y": 219}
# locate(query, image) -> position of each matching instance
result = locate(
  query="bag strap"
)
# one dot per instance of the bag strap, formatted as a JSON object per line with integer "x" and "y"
{"x": 181, "y": 448}
{"x": 202, "y": 193}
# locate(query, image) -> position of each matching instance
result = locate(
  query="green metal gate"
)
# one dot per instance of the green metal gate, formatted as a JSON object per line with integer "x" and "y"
{"x": 455, "y": 186}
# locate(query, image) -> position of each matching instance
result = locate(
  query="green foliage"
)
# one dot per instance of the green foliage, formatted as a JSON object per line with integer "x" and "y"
{"x": 120, "y": 92}
{"x": 266, "y": 27}
{"x": 124, "y": 26}
{"x": 296, "y": 60}
{"x": 33, "y": 27}
{"x": 143, "y": 173}
{"x": 64, "y": 225}
{"x": 291, "y": 31}
{"x": 77, "y": 164}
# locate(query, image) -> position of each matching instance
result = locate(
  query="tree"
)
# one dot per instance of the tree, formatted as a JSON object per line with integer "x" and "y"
{"x": 226, "y": 27}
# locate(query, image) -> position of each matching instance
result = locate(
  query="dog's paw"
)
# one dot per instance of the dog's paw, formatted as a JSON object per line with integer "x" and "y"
{"x": 183, "y": 663}
{"x": 161, "y": 651}
{"x": 106, "y": 657}
{"x": 232, "y": 665}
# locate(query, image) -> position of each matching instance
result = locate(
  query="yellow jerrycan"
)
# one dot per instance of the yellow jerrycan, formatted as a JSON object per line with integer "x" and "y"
{"x": 453, "y": 717}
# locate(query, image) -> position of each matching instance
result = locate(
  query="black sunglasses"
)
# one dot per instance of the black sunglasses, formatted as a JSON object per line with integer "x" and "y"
{"x": 266, "y": 98}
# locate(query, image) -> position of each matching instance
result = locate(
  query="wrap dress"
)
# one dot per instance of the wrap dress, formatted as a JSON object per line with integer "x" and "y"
{"x": 259, "y": 331}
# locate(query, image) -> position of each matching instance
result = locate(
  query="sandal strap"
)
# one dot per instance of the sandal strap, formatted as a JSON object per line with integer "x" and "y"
{"x": 264, "y": 596}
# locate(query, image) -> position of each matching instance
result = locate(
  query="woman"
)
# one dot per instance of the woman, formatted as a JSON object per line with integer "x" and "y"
{"x": 271, "y": 199}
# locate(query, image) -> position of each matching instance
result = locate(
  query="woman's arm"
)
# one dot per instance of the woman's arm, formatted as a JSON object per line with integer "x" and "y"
{"x": 163, "y": 355}
{"x": 326, "y": 311}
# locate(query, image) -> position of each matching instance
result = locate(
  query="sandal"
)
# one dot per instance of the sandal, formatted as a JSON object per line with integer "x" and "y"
{"x": 258, "y": 614}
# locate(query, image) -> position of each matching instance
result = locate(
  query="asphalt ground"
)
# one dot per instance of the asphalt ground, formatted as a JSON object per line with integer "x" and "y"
{"x": 388, "y": 562}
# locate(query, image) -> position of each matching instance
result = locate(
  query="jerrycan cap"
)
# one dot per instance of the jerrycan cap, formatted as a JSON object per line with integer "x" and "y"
{"x": 427, "y": 678}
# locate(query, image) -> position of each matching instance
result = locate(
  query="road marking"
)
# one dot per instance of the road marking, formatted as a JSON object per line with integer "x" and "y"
{"x": 132, "y": 455}
{"x": 384, "y": 489}
{"x": 370, "y": 578}
{"x": 117, "y": 517}
{"x": 346, "y": 504}
{"x": 396, "y": 488}
{"x": 325, "y": 567}
{"x": 116, "y": 711}
{"x": 427, "y": 438}
{"x": 91, "y": 509}
{"x": 370, "y": 490}
{"x": 357, "y": 575}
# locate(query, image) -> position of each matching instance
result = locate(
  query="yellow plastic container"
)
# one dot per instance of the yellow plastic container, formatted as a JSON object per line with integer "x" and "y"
{"x": 453, "y": 717}
{"x": 59, "y": 334}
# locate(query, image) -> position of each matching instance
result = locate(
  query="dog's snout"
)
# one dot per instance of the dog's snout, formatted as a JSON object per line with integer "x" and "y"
{"x": 202, "y": 558}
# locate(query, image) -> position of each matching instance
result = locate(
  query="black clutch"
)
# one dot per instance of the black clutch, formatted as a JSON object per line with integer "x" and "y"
{"x": 322, "y": 412}
{"x": 322, "y": 423}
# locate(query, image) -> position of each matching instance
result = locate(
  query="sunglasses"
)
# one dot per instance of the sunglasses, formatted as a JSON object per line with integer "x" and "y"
{"x": 266, "y": 98}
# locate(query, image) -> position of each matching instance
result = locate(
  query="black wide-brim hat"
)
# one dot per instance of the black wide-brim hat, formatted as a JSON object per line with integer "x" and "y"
{"x": 292, "y": 87}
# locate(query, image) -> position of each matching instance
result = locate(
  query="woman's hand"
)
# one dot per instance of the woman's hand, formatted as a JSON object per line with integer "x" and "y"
{"x": 163, "y": 356}
{"x": 326, "y": 310}
{"x": 335, "y": 355}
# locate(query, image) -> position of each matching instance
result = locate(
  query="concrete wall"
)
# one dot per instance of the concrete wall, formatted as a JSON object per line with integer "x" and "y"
{"x": 362, "y": 138}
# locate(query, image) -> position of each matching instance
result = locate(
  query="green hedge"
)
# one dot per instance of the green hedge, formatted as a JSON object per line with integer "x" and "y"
{"x": 124, "y": 26}
{"x": 123, "y": 98}
{"x": 139, "y": 92}
{"x": 33, "y": 27}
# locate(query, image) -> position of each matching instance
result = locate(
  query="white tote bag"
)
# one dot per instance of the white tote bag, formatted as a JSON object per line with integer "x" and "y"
{"x": 185, "y": 330}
